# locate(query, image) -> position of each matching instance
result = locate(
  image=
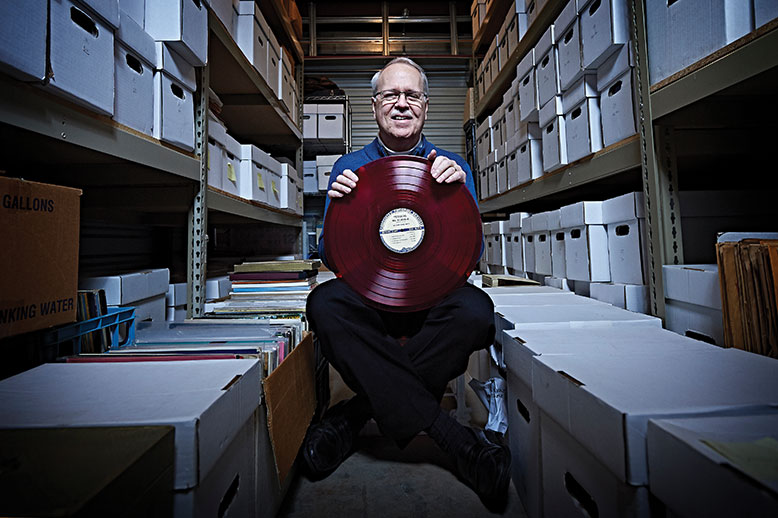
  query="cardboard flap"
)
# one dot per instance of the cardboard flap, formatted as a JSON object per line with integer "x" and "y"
{"x": 291, "y": 401}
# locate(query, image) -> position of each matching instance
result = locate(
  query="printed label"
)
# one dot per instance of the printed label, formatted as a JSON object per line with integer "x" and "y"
{"x": 401, "y": 230}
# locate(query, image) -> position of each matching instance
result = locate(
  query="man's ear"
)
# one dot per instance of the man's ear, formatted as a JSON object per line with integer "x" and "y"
{"x": 372, "y": 106}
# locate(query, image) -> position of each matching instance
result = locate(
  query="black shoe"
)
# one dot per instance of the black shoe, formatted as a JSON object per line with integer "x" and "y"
{"x": 329, "y": 442}
{"x": 486, "y": 467}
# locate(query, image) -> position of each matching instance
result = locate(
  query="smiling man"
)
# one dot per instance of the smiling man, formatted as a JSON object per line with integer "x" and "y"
{"x": 400, "y": 383}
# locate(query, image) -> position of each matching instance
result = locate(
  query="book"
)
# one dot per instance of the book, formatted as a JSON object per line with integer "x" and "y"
{"x": 293, "y": 265}
{"x": 272, "y": 276}
{"x": 273, "y": 284}
{"x": 263, "y": 289}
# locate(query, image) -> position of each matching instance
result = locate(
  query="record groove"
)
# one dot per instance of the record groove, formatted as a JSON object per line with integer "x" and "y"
{"x": 400, "y": 239}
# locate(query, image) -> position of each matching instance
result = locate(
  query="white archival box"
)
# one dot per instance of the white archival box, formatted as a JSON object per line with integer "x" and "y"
{"x": 207, "y": 401}
{"x": 693, "y": 300}
{"x": 569, "y": 45}
{"x": 709, "y": 466}
{"x": 528, "y": 88}
{"x": 764, "y": 11}
{"x": 542, "y": 244}
{"x": 528, "y": 244}
{"x": 547, "y": 66}
{"x": 552, "y": 125}
{"x": 134, "y": 57}
{"x": 253, "y": 175}
{"x": 231, "y": 171}
{"x": 624, "y": 218}
{"x": 252, "y": 39}
{"x": 148, "y": 309}
{"x": 530, "y": 152}
{"x": 583, "y": 129}
{"x": 632, "y": 297}
{"x": 310, "y": 121}
{"x": 557, "y": 237}
{"x": 81, "y": 56}
{"x": 605, "y": 400}
{"x": 181, "y": 23}
{"x": 125, "y": 288}
{"x": 604, "y": 29}
{"x": 586, "y": 242}
{"x": 23, "y": 29}
{"x": 174, "y": 87}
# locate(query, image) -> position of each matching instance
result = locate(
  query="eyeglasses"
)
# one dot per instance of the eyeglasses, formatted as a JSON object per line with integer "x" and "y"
{"x": 392, "y": 96}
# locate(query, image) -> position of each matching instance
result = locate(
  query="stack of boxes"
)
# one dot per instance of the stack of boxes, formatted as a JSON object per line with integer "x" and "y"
{"x": 144, "y": 290}
{"x": 693, "y": 301}
{"x": 324, "y": 165}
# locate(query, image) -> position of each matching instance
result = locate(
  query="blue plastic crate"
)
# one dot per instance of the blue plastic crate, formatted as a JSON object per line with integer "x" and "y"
{"x": 112, "y": 320}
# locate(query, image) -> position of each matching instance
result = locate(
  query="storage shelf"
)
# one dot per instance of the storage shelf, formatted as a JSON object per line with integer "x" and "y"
{"x": 606, "y": 163}
{"x": 493, "y": 97}
{"x": 277, "y": 15}
{"x": 750, "y": 55}
{"x": 229, "y": 204}
{"x": 251, "y": 108}
{"x": 89, "y": 137}
{"x": 490, "y": 26}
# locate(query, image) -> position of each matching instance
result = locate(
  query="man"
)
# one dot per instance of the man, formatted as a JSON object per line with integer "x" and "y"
{"x": 401, "y": 385}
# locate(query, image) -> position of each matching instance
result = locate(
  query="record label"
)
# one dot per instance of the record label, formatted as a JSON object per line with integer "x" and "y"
{"x": 401, "y": 230}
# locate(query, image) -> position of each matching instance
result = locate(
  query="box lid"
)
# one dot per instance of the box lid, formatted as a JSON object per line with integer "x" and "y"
{"x": 526, "y": 64}
{"x": 108, "y": 10}
{"x": 514, "y": 220}
{"x": 693, "y": 283}
{"x": 175, "y": 65}
{"x": 584, "y": 88}
{"x": 614, "y": 67}
{"x": 623, "y": 208}
{"x": 176, "y": 294}
{"x": 310, "y": 108}
{"x": 550, "y": 110}
{"x": 540, "y": 222}
{"x": 545, "y": 43}
{"x": 555, "y": 219}
{"x": 133, "y": 35}
{"x": 232, "y": 146}
{"x": 582, "y": 213}
{"x": 499, "y": 115}
{"x": 605, "y": 400}
{"x": 259, "y": 157}
{"x": 125, "y": 288}
{"x": 207, "y": 401}
{"x": 566, "y": 18}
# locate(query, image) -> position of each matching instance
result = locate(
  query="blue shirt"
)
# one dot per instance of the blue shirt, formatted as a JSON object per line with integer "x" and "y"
{"x": 374, "y": 151}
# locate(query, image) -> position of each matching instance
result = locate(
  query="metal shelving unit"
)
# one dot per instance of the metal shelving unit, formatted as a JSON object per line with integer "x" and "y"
{"x": 647, "y": 160}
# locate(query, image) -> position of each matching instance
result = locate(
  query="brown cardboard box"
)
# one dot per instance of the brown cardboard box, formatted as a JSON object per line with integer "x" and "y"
{"x": 39, "y": 226}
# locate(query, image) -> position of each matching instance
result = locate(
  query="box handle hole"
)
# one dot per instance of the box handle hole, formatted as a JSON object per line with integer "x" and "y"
{"x": 134, "y": 63}
{"x": 575, "y": 233}
{"x": 81, "y": 19}
{"x": 581, "y": 497}
{"x": 560, "y": 236}
{"x": 542, "y": 238}
{"x": 177, "y": 91}
{"x": 613, "y": 90}
{"x": 229, "y": 496}
{"x": 622, "y": 230}
{"x": 523, "y": 410}
{"x": 576, "y": 113}
{"x": 594, "y": 7}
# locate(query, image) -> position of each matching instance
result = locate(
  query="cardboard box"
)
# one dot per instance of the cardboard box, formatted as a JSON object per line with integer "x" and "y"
{"x": 702, "y": 465}
{"x": 274, "y": 194}
{"x": 107, "y": 10}
{"x": 477, "y": 13}
{"x": 524, "y": 443}
{"x": 176, "y": 295}
{"x": 215, "y": 163}
{"x": 135, "y": 9}
{"x": 331, "y": 121}
{"x": 530, "y": 153}
{"x": 569, "y": 45}
{"x": 542, "y": 244}
{"x": 528, "y": 244}
{"x": 125, "y": 288}
{"x": 183, "y": 24}
{"x": 764, "y": 11}
{"x": 631, "y": 297}
{"x": 193, "y": 396}
{"x": 81, "y": 56}
{"x": 605, "y": 400}
{"x": 134, "y": 58}
{"x": 583, "y": 129}
{"x": 174, "y": 87}
{"x": 107, "y": 470}
{"x": 693, "y": 301}
{"x": 552, "y": 124}
{"x": 323, "y": 172}
{"x": 291, "y": 193}
{"x": 251, "y": 37}
{"x": 217, "y": 287}
{"x": 24, "y": 32}
{"x": 682, "y": 33}
{"x": 586, "y": 242}
{"x": 254, "y": 178}
{"x": 512, "y": 168}
{"x": 559, "y": 283}
{"x": 574, "y": 482}
{"x": 604, "y": 29}
{"x": 38, "y": 287}
{"x": 286, "y": 84}
{"x": 547, "y": 67}
{"x": 624, "y": 217}
{"x": 231, "y": 169}
{"x": 310, "y": 118}
{"x": 528, "y": 88}
{"x": 150, "y": 309}
{"x": 557, "y": 237}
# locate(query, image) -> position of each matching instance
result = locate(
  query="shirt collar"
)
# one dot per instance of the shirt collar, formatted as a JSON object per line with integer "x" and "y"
{"x": 417, "y": 150}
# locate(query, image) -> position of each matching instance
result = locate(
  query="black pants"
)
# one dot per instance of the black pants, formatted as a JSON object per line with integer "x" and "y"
{"x": 403, "y": 384}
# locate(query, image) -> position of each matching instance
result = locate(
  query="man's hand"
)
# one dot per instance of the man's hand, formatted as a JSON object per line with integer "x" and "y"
{"x": 343, "y": 184}
{"x": 445, "y": 170}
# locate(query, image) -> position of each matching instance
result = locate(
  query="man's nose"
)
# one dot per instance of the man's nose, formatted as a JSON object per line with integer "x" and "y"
{"x": 402, "y": 102}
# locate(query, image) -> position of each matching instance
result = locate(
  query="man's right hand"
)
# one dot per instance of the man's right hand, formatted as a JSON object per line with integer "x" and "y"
{"x": 343, "y": 184}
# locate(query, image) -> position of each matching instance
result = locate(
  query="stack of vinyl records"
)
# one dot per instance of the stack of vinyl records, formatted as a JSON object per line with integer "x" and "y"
{"x": 273, "y": 290}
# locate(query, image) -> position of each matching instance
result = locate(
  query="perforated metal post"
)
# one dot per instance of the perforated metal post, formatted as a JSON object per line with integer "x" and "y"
{"x": 197, "y": 246}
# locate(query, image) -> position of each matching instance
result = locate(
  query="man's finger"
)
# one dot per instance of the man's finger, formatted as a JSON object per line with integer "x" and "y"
{"x": 432, "y": 154}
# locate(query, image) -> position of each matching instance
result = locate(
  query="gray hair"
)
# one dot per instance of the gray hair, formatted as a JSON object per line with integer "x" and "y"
{"x": 405, "y": 61}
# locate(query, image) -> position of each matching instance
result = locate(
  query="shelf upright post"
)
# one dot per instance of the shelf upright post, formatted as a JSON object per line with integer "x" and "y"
{"x": 660, "y": 184}
{"x": 312, "y": 29}
{"x": 452, "y": 14}
{"x": 385, "y": 28}
{"x": 197, "y": 245}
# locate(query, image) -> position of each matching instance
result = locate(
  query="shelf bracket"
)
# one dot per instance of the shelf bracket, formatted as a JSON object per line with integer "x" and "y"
{"x": 197, "y": 245}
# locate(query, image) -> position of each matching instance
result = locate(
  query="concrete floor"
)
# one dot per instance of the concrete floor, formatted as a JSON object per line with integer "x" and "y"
{"x": 380, "y": 480}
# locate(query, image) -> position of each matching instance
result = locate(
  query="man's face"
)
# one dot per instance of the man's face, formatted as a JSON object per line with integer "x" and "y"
{"x": 400, "y": 122}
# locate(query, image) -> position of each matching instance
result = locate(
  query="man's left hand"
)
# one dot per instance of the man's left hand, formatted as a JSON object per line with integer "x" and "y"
{"x": 445, "y": 170}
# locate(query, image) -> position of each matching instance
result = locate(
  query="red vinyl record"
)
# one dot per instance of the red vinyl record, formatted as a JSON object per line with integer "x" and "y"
{"x": 400, "y": 239}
